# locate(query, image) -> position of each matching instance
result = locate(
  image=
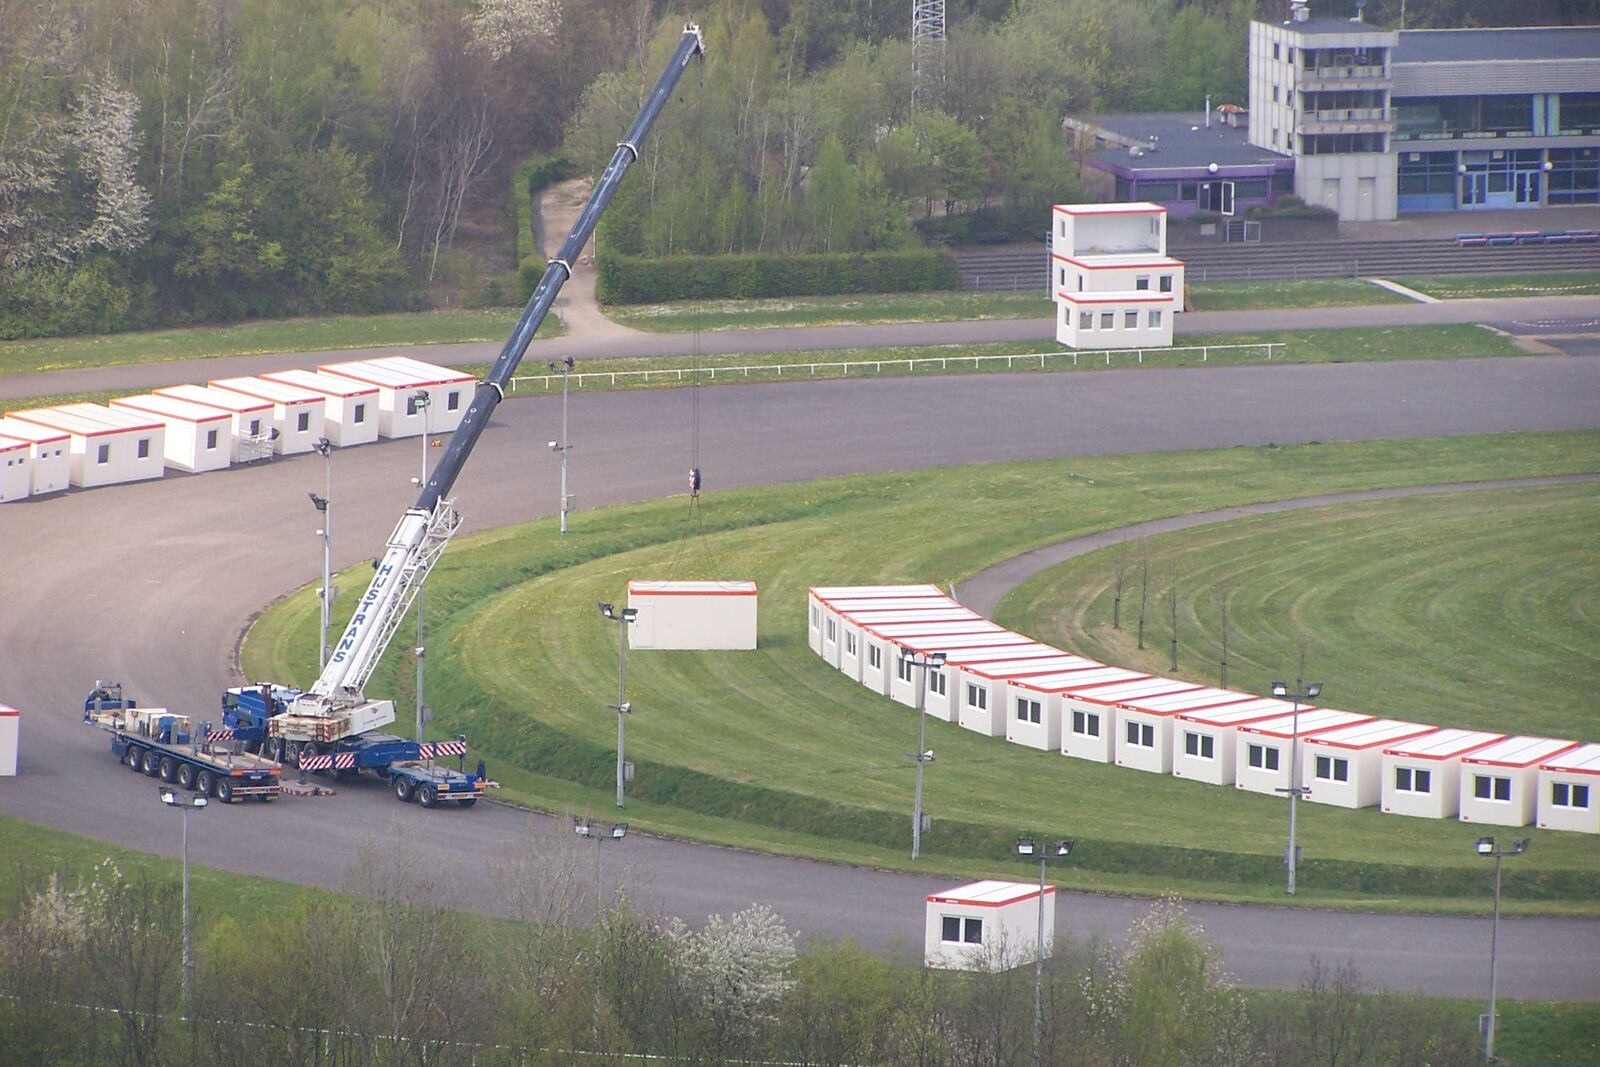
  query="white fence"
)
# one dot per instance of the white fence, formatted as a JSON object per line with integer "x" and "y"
{"x": 845, "y": 368}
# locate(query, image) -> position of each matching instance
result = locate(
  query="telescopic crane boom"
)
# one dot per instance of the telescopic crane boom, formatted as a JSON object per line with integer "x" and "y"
{"x": 336, "y": 705}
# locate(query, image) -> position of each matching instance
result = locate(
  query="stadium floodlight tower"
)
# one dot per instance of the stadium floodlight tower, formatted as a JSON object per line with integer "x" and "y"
{"x": 927, "y": 50}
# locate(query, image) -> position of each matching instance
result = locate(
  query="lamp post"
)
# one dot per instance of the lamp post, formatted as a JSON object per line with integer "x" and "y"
{"x": 170, "y": 797}
{"x": 563, "y": 446}
{"x": 1485, "y": 847}
{"x": 1027, "y": 847}
{"x": 1300, "y": 694}
{"x": 599, "y": 833}
{"x": 322, "y": 503}
{"x": 922, "y": 755}
{"x": 422, "y": 402}
{"x": 621, "y": 707}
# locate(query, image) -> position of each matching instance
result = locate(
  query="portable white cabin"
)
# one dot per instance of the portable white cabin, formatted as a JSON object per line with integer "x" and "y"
{"x": 958, "y": 649}
{"x": 1203, "y": 745}
{"x": 1422, "y": 776}
{"x": 818, "y": 598}
{"x": 1113, "y": 228}
{"x": 16, "y": 473}
{"x": 10, "y": 740}
{"x": 250, "y": 418}
{"x": 693, "y": 615}
{"x": 1137, "y": 272}
{"x": 988, "y": 926}
{"x": 398, "y": 380}
{"x": 1089, "y": 717}
{"x": 1144, "y": 726}
{"x": 899, "y": 633}
{"x": 981, "y": 687}
{"x": 1344, "y": 766}
{"x": 1036, "y": 703}
{"x": 1115, "y": 319}
{"x": 1500, "y": 782}
{"x": 875, "y": 652}
{"x": 350, "y": 409}
{"x": 1569, "y": 791}
{"x": 49, "y": 455}
{"x": 199, "y": 437}
{"x": 106, "y": 447}
{"x": 297, "y": 414}
{"x": 1262, "y": 749}
{"x": 842, "y": 622}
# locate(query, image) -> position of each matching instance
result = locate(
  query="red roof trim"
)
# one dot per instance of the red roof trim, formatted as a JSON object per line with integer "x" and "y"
{"x": 28, "y": 416}
{"x": 1114, "y": 211}
{"x": 1534, "y": 762}
{"x": 935, "y": 898}
{"x": 1073, "y": 298}
{"x": 1116, "y": 266}
{"x": 128, "y": 402}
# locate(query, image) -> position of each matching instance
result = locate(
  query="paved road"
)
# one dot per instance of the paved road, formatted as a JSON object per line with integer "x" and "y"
{"x": 151, "y": 584}
{"x": 154, "y": 375}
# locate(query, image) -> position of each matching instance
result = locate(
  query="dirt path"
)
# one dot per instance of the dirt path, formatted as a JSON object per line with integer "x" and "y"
{"x": 553, "y": 215}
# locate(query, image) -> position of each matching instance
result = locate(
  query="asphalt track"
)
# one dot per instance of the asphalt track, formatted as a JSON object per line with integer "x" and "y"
{"x": 151, "y": 584}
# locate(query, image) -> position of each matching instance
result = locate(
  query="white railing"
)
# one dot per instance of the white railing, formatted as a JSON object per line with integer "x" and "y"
{"x": 845, "y": 368}
{"x": 1348, "y": 114}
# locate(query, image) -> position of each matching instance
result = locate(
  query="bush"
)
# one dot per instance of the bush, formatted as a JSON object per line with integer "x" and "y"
{"x": 1291, "y": 207}
{"x": 532, "y": 176}
{"x": 986, "y": 225}
{"x": 640, "y": 280}
{"x": 63, "y": 301}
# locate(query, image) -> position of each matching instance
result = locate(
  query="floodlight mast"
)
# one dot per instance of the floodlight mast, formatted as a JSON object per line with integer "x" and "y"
{"x": 335, "y": 706}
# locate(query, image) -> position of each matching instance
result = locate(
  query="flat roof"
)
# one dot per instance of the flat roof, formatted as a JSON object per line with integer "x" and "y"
{"x": 1192, "y": 700}
{"x": 1118, "y": 296}
{"x": 897, "y": 630}
{"x": 1443, "y": 744}
{"x": 1092, "y": 676}
{"x": 1521, "y": 43}
{"x": 11, "y": 444}
{"x": 989, "y": 894}
{"x": 1332, "y": 27}
{"x": 1585, "y": 759}
{"x": 1175, "y": 140}
{"x": 977, "y": 655}
{"x": 1520, "y": 751}
{"x": 396, "y": 372}
{"x": 30, "y": 431}
{"x": 1258, "y": 709}
{"x": 1371, "y": 734}
{"x": 1313, "y": 720}
{"x": 1010, "y": 670}
{"x": 171, "y": 408}
{"x": 1144, "y": 687}
{"x": 277, "y": 392}
{"x": 830, "y": 592}
{"x": 1132, "y": 207}
{"x": 217, "y": 398}
{"x": 963, "y": 642}
{"x": 7, "y": 709}
{"x": 1119, "y": 260}
{"x": 88, "y": 420}
{"x": 734, "y": 588}
{"x": 847, "y": 608}
{"x": 925, "y": 615}
{"x": 317, "y": 382}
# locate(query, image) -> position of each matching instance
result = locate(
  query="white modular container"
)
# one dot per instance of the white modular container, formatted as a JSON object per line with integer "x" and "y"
{"x": 49, "y": 456}
{"x": 250, "y": 418}
{"x": 398, "y": 380}
{"x": 1115, "y": 319}
{"x": 1089, "y": 718}
{"x": 1569, "y": 791}
{"x": 350, "y": 409}
{"x": 16, "y": 472}
{"x": 297, "y": 414}
{"x": 1144, "y": 737}
{"x": 875, "y": 652}
{"x": 715, "y": 616}
{"x": 820, "y": 597}
{"x": 199, "y": 437}
{"x": 1108, "y": 229}
{"x": 850, "y": 647}
{"x": 107, "y": 447}
{"x": 1422, "y": 777}
{"x": 842, "y": 637}
{"x": 1500, "y": 782}
{"x": 1344, "y": 766}
{"x": 10, "y": 740}
{"x": 1036, "y": 703}
{"x": 981, "y": 687}
{"x": 964, "y": 648}
{"x": 1262, "y": 750}
{"x": 1203, "y": 742}
{"x": 1127, "y": 272}
{"x": 988, "y": 926}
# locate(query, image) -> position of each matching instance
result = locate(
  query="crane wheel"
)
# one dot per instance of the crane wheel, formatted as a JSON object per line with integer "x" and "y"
{"x": 403, "y": 789}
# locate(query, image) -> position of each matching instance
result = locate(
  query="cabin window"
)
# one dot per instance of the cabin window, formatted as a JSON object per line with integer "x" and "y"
{"x": 1086, "y": 723}
{"x": 1261, "y": 757}
{"x": 1568, "y": 795}
{"x": 144, "y": 448}
{"x": 103, "y": 454}
{"x": 936, "y": 682}
{"x": 1142, "y": 282}
{"x": 453, "y": 401}
{"x": 850, "y": 643}
{"x": 1166, "y": 283}
{"x": 1108, "y": 320}
{"x": 1141, "y": 735}
{"x": 1028, "y": 710}
{"x": 874, "y": 656}
{"x": 956, "y": 930}
{"x": 1155, "y": 320}
{"x": 1130, "y": 320}
{"x": 411, "y": 404}
{"x": 1085, "y": 320}
{"x": 1202, "y": 746}
{"x": 816, "y": 617}
{"x": 1332, "y": 769}
{"x": 902, "y": 669}
{"x": 303, "y": 423}
{"x": 1491, "y": 787}
{"x": 255, "y": 427}
{"x": 360, "y": 414}
{"x": 1413, "y": 780}
{"x": 211, "y": 439}
{"x": 977, "y": 697}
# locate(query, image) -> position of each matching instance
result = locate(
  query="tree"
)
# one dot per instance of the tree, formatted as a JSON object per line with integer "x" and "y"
{"x": 1144, "y": 591}
{"x": 740, "y": 969}
{"x": 832, "y": 201}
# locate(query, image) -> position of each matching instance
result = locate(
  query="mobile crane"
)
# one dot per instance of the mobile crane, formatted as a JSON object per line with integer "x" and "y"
{"x": 334, "y": 717}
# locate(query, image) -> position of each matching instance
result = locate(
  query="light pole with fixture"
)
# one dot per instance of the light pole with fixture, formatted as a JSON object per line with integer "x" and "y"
{"x": 1029, "y": 847}
{"x": 323, "y": 504}
{"x": 563, "y": 446}
{"x": 621, "y": 707}
{"x": 1486, "y": 847}
{"x": 422, "y": 402}
{"x": 922, "y": 755}
{"x": 1300, "y": 694}
{"x": 599, "y": 833}
{"x": 170, "y": 797}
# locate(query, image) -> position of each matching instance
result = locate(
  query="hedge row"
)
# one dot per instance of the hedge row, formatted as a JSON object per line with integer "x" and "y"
{"x": 527, "y": 181}
{"x": 641, "y": 280}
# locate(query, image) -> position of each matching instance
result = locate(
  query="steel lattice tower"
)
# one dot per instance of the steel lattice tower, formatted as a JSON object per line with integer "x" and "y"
{"x": 927, "y": 49}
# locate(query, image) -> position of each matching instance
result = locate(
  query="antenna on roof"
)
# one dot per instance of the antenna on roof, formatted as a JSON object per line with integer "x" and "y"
{"x": 1359, "y": 5}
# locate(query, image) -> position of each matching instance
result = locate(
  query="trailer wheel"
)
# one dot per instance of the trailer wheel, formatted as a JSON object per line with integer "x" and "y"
{"x": 134, "y": 758}
{"x": 273, "y": 747}
{"x": 151, "y": 762}
{"x": 225, "y": 790}
{"x": 467, "y": 802}
{"x": 186, "y": 774}
{"x": 169, "y": 769}
{"x": 427, "y": 797}
{"x": 402, "y": 789}
{"x": 206, "y": 783}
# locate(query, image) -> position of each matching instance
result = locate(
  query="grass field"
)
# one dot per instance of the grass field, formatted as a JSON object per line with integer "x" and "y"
{"x": 251, "y": 338}
{"x": 1466, "y": 287}
{"x": 774, "y": 749}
